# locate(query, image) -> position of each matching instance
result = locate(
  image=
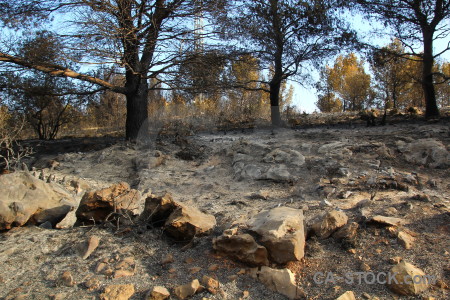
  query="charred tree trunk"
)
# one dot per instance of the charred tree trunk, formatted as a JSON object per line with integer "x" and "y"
{"x": 137, "y": 111}
{"x": 275, "y": 86}
{"x": 432, "y": 110}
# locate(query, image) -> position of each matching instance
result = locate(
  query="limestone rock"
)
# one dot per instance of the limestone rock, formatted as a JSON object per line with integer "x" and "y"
{"x": 391, "y": 221}
{"x": 93, "y": 283}
{"x": 118, "y": 292}
{"x": 158, "y": 293}
{"x": 289, "y": 157}
{"x": 282, "y": 233}
{"x": 85, "y": 249}
{"x": 67, "y": 279}
{"x": 281, "y": 281}
{"x": 211, "y": 284}
{"x": 428, "y": 152}
{"x": 331, "y": 222}
{"x": 278, "y": 173}
{"x": 405, "y": 239}
{"x": 348, "y": 231}
{"x": 405, "y": 277}
{"x": 98, "y": 205}
{"x": 69, "y": 220}
{"x": 26, "y": 199}
{"x": 348, "y": 295}
{"x": 180, "y": 221}
{"x": 187, "y": 290}
{"x": 335, "y": 149}
{"x": 242, "y": 247}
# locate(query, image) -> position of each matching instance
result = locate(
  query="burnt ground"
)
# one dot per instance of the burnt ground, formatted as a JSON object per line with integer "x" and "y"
{"x": 200, "y": 170}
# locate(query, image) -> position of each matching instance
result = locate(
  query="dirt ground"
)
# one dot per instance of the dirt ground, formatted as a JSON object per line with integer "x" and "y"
{"x": 202, "y": 170}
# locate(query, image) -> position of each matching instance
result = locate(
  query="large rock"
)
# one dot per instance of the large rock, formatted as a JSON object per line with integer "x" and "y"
{"x": 99, "y": 205}
{"x": 180, "y": 221}
{"x": 282, "y": 232}
{"x": 428, "y": 152}
{"x": 331, "y": 222}
{"x": 242, "y": 247}
{"x": 279, "y": 173}
{"x": 288, "y": 156}
{"x": 26, "y": 199}
{"x": 281, "y": 281}
{"x": 335, "y": 149}
{"x": 409, "y": 280}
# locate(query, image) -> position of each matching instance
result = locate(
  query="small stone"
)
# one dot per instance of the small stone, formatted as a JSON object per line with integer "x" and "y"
{"x": 378, "y": 250}
{"x": 211, "y": 284}
{"x": 348, "y": 295}
{"x": 365, "y": 267}
{"x": 118, "y": 292}
{"x": 349, "y": 231}
{"x": 345, "y": 194}
{"x": 213, "y": 267}
{"x": 67, "y": 279}
{"x": 391, "y": 211}
{"x": 366, "y": 296}
{"x": 392, "y": 230}
{"x": 194, "y": 270}
{"x": 395, "y": 260}
{"x": 245, "y": 294}
{"x": 405, "y": 240}
{"x": 93, "y": 283}
{"x": 85, "y": 249}
{"x": 421, "y": 197}
{"x": 352, "y": 251}
{"x": 242, "y": 272}
{"x": 100, "y": 267}
{"x": 158, "y": 293}
{"x": 59, "y": 296}
{"x": 441, "y": 284}
{"x": 331, "y": 222}
{"x": 187, "y": 290}
{"x": 123, "y": 273}
{"x": 168, "y": 259}
{"x": 189, "y": 260}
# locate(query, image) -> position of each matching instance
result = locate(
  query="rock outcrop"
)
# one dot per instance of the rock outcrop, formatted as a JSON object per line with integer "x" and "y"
{"x": 26, "y": 199}
{"x": 179, "y": 220}
{"x": 428, "y": 152}
{"x": 97, "y": 206}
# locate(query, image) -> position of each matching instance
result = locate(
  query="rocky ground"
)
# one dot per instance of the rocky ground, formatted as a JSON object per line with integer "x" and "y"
{"x": 400, "y": 171}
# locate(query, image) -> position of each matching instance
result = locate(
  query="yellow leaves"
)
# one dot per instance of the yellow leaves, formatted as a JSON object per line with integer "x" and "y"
{"x": 349, "y": 81}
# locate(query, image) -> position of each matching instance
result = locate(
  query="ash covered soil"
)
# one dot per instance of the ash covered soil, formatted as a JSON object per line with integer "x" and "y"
{"x": 397, "y": 171}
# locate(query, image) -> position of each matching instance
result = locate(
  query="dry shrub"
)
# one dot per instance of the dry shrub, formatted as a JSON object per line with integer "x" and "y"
{"x": 11, "y": 151}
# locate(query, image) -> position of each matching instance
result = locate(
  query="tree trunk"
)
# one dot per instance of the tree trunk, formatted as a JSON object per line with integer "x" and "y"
{"x": 137, "y": 111}
{"x": 275, "y": 115}
{"x": 431, "y": 110}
